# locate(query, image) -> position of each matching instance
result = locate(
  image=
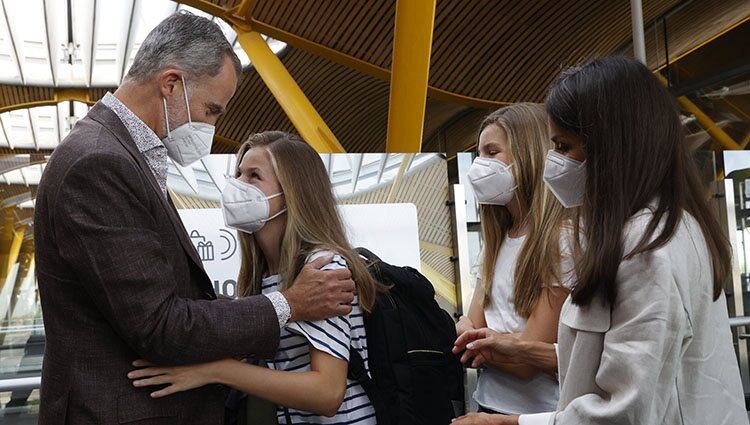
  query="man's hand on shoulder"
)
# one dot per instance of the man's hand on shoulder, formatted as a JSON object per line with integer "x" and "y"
{"x": 319, "y": 294}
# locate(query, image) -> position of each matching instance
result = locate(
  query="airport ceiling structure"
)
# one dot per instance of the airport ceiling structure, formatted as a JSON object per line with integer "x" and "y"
{"x": 57, "y": 57}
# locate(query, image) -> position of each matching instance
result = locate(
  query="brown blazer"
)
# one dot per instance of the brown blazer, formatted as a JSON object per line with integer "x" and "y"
{"x": 120, "y": 280}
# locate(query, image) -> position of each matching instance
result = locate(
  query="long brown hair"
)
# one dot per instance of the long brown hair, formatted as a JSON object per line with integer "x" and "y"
{"x": 538, "y": 264}
{"x": 636, "y": 155}
{"x": 312, "y": 222}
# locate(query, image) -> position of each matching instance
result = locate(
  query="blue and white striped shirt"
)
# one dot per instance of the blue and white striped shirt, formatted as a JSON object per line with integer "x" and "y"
{"x": 333, "y": 336}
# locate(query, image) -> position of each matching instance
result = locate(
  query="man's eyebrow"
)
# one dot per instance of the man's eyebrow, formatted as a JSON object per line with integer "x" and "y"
{"x": 215, "y": 108}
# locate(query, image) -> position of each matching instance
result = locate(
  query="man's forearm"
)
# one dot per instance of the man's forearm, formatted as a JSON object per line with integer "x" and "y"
{"x": 541, "y": 355}
{"x": 212, "y": 330}
{"x": 524, "y": 359}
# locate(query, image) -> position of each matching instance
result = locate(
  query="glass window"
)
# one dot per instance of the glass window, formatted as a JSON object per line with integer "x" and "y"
{"x": 93, "y": 46}
{"x": 29, "y": 34}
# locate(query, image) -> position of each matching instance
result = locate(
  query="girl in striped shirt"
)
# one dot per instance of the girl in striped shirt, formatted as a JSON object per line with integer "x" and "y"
{"x": 309, "y": 373}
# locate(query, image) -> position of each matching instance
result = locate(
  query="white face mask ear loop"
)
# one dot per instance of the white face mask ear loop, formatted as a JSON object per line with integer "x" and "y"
{"x": 282, "y": 211}
{"x": 166, "y": 117}
{"x": 275, "y": 215}
{"x": 187, "y": 104}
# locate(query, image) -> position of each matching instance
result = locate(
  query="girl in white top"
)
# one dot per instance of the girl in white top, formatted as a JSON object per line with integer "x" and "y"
{"x": 644, "y": 337}
{"x": 520, "y": 291}
{"x": 283, "y": 204}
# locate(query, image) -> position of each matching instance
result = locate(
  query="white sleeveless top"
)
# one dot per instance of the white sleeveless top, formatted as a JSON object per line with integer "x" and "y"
{"x": 498, "y": 390}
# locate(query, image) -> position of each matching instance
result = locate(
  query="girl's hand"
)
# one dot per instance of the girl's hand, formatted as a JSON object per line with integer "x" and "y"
{"x": 179, "y": 378}
{"x": 464, "y": 324}
{"x": 485, "y": 419}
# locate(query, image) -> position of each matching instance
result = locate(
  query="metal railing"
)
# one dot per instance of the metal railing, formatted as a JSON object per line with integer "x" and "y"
{"x": 20, "y": 384}
{"x": 34, "y": 382}
{"x": 739, "y": 321}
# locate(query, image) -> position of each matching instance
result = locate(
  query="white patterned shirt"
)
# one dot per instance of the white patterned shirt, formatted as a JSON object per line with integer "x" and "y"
{"x": 147, "y": 142}
{"x": 155, "y": 153}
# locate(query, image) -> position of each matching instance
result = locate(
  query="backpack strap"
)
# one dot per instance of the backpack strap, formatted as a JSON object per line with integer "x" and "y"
{"x": 357, "y": 372}
{"x": 369, "y": 255}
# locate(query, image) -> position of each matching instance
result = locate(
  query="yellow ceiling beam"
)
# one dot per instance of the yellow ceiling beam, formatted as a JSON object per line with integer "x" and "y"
{"x": 707, "y": 41}
{"x": 440, "y": 249}
{"x": 705, "y": 121}
{"x": 24, "y": 165}
{"x": 78, "y": 95}
{"x": 708, "y": 124}
{"x": 243, "y": 10}
{"x": 399, "y": 178}
{"x": 246, "y": 22}
{"x": 443, "y": 287}
{"x": 10, "y": 244}
{"x": 412, "y": 45}
{"x": 226, "y": 141}
{"x": 60, "y": 95}
{"x": 741, "y": 113}
{"x": 745, "y": 141}
{"x": 365, "y": 67}
{"x": 288, "y": 94}
{"x": 206, "y": 6}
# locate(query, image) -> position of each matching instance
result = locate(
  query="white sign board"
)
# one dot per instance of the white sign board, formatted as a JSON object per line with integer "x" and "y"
{"x": 388, "y": 230}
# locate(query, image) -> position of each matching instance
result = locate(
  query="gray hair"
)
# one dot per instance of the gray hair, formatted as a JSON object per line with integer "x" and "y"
{"x": 184, "y": 41}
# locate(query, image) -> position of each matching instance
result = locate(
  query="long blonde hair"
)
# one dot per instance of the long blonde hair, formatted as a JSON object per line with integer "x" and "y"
{"x": 312, "y": 221}
{"x": 538, "y": 264}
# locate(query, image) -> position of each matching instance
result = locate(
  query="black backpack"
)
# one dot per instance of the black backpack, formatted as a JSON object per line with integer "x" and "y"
{"x": 416, "y": 379}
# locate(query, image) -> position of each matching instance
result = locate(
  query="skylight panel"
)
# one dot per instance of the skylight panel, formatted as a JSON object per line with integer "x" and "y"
{"x": 29, "y": 29}
{"x": 18, "y": 129}
{"x": 112, "y": 22}
{"x": 45, "y": 122}
{"x": 9, "y": 71}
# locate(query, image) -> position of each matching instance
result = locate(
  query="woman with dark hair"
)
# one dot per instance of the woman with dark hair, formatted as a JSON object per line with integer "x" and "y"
{"x": 644, "y": 337}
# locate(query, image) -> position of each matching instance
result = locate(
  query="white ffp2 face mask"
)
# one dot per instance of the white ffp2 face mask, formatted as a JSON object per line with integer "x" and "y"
{"x": 492, "y": 181}
{"x": 566, "y": 178}
{"x": 190, "y": 141}
{"x": 245, "y": 206}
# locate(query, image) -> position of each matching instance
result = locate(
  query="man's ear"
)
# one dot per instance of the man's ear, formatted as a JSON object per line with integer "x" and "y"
{"x": 169, "y": 81}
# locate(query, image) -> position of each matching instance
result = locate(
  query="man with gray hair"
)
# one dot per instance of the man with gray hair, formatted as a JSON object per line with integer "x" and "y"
{"x": 119, "y": 278}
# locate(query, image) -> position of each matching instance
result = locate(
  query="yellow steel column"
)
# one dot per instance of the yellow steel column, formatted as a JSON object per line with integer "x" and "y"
{"x": 15, "y": 248}
{"x": 399, "y": 178}
{"x": 443, "y": 287}
{"x": 412, "y": 45}
{"x": 708, "y": 124}
{"x": 6, "y": 241}
{"x": 297, "y": 107}
{"x": 705, "y": 121}
{"x": 11, "y": 241}
{"x": 27, "y": 263}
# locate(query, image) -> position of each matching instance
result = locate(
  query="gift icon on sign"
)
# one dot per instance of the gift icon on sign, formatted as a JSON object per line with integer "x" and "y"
{"x": 205, "y": 248}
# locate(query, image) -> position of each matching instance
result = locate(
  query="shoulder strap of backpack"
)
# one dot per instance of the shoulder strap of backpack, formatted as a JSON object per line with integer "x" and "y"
{"x": 357, "y": 372}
